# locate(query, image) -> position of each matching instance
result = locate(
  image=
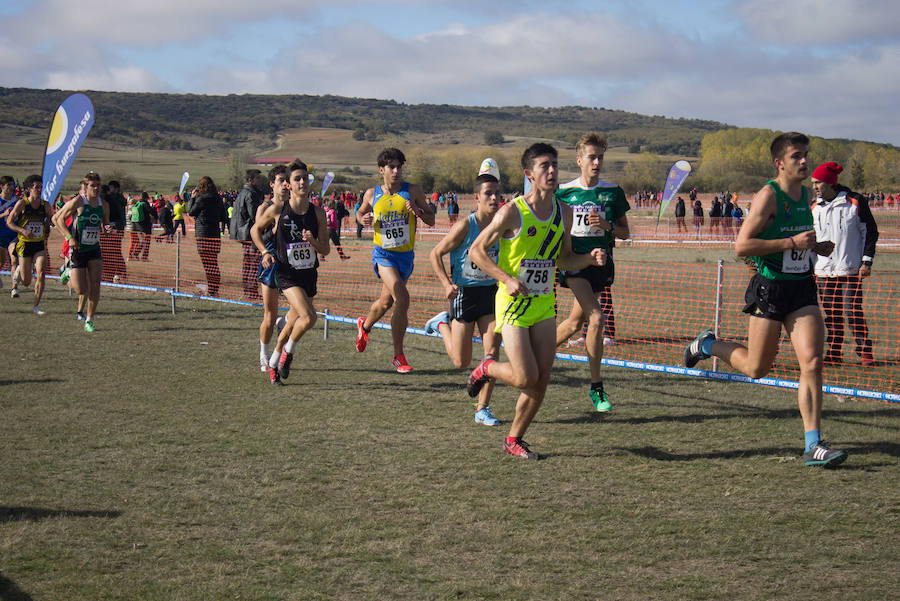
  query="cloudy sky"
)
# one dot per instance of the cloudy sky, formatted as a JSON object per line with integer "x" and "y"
{"x": 829, "y": 69}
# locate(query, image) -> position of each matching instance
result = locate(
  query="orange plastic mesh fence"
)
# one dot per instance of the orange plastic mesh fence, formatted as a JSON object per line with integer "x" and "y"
{"x": 658, "y": 308}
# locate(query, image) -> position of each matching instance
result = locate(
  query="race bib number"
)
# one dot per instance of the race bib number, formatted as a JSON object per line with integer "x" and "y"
{"x": 795, "y": 260}
{"x": 90, "y": 235}
{"x": 35, "y": 230}
{"x": 537, "y": 275}
{"x": 394, "y": 234}
{"x": 581, "y": 227}
{"x": 471, "y": 271}
{"x": 301, "y": 255}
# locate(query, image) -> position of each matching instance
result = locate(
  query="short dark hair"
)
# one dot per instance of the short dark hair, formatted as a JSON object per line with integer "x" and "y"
{"x": 91, "y": 177}
{"x": 252, "y": 173}
{"x": 297, "y": 165}
{"x": 781, "y": 143}
{"x": 536, "y": 150}
{"x": 31, "y": 179}
{"x": 390, "y": 154}
{"x": 276, "y": 171}
{"x": 6, "y": 179}
{"x": 114, "y": 183}
{"x": 484, "y": 178}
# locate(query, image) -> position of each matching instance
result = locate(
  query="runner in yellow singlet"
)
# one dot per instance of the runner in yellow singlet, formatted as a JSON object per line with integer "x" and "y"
{"x": 534, "y": 236}
{"x": 391, "y": 210}
{"x": 30, "y": 219}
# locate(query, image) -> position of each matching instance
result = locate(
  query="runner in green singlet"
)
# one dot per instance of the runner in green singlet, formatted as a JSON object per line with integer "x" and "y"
{"x": 91, "y": 217}
{"x": 598, "y": 218}
{"x": 779, "y": 236}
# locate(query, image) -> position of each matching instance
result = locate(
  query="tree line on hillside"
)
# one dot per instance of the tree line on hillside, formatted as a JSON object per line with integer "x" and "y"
{"x": 739, "y": 159}
{"x": 165, "y": 120}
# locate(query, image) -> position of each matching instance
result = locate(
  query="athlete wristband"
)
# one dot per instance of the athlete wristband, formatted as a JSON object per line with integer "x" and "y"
{"x": 68, "y": 236}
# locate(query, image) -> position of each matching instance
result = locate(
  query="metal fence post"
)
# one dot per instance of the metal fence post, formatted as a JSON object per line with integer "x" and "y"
{"x": 326, "y": 324}
{"x": 720, "y": 269}
{"x": 177, "y": 267}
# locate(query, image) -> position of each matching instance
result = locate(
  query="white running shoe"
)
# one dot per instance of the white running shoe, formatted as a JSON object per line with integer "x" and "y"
{"x": 38, "y": 311}
{"x": 609, "y": 341}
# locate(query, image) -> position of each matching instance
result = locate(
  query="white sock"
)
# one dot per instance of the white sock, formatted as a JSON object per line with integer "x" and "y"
{"x": 279, "y": 323}
{"x": 273, "y": 360}
{"x": 289, "y": 346}
{"x": 264, "y": 349}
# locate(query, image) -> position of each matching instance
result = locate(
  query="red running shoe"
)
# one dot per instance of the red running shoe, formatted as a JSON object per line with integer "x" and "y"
{"x": 284, "y": 364}
{"x": 519, "y": 448}
{"x": 274, "y": 378}
{"x": 401, "y": 365}
{"x": 362, "y": 337}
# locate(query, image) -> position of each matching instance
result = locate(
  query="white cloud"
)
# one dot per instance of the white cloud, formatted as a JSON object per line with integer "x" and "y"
{"x": 587, "y": 58}
{"x": 812, "y": 22}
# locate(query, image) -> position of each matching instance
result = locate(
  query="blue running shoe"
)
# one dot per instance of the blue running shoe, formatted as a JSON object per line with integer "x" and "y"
{"x": 693, "y": 353}
{"x": 822, "y": 454}
{"x": 484, "y": 416}
{"x": 431, "y": 326}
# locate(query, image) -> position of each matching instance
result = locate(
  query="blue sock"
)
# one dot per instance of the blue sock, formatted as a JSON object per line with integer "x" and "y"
{"x": 706, "y": 346}
{"x": 812, "y": 437}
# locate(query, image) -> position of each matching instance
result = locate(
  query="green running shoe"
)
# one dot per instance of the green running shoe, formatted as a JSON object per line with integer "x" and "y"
{"x": 600, "y": 400}
{"x": 89, "y": 326}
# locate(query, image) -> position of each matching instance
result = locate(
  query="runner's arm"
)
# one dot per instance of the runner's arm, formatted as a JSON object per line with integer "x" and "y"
{"x": 420, "y": 205}
{"x": 259, "y": 226}
{"x": 59, "y": 219}
{"x": 319, "y": 241}
{"x": 13, "y": 215}
{"x": 452, "y": 240}
{"x": 506, "y": 220}
{"x": 365, "y": 208}
{"x": 765, "y": 206}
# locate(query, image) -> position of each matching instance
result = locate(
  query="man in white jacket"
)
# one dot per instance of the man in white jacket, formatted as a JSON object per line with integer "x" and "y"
{"x": 843, "y": 217}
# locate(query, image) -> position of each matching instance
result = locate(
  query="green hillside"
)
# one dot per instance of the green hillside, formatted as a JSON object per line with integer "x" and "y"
{"x": 174, "y": 121}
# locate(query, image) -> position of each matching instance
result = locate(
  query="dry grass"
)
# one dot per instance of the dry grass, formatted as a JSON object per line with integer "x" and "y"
{"x": 165, "y": 467}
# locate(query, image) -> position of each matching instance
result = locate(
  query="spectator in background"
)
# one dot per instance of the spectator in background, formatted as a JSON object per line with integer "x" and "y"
{"x": 142, "y": 215}
{"x": 178, "y": 211}
{"x": 113, "y": 262}
{"x": 843, "y": 217}
{"x": 334, "y": 219}
{"x": 452, "y": 208}
{"x": 738, "y": 216}
{"x": 245, "y": 206}
{"x": 715, "y": 216}
{"x": 166, "y": 221}
{"x": 208, "y": 212}
{"x": 698, "y": 217}
{"x": 727, "y": 217}
{"x": 359, "y": 224}
{"x": 679, "y": 215}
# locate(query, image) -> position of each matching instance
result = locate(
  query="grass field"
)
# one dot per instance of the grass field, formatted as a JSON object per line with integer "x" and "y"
{"x": 166, "y": 467}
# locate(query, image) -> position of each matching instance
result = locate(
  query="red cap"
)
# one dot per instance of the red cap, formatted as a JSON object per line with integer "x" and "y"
{"x": 827, "y": 172}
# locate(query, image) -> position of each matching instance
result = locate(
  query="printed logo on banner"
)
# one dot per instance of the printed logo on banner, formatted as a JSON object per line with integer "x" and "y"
{"x": 71, "y": 123}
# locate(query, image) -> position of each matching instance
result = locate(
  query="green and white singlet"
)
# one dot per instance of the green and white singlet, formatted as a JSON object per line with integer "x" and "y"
{"x": 86, "y": 227}
{"x": 607, "y": 199}
{"x": 791, "y": 218}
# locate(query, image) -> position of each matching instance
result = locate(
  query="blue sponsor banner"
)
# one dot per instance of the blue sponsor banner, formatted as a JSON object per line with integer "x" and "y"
{"x": 677, "y": 174}
{"x": 329, "y": 177}
{"x": 70, "y": 127}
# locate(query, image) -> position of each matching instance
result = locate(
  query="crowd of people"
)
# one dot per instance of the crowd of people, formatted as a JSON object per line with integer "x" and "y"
{"x": 506, "y": 261}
